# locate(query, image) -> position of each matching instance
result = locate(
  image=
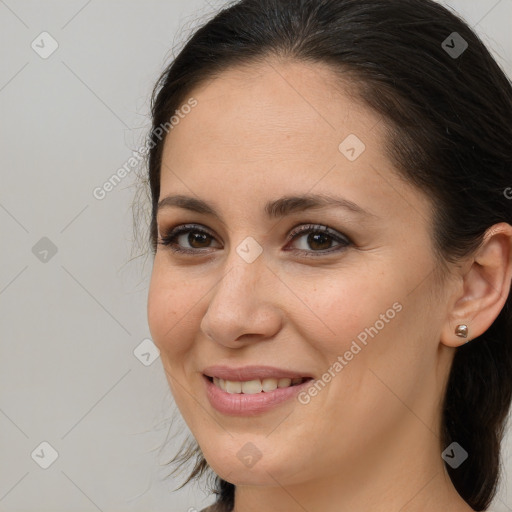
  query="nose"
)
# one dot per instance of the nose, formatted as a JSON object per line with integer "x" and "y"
{"x": 241, "y": 310}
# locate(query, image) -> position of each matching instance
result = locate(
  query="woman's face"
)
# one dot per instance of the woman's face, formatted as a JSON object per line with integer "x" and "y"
{"x": 355, "y": 308}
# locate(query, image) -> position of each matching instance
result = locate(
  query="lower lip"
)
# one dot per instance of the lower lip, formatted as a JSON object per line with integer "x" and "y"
{"x": 241, "y": 404}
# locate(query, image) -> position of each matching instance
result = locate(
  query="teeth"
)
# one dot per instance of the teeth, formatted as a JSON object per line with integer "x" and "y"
{"x": 233, "y": 386}
{"x": 251, "y": 387}
{"x": 284, "y": 383}
{"x": 269, "y": 384}
{"x": 219, "y": 384}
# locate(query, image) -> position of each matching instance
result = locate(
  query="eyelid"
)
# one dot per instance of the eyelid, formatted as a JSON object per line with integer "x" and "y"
{"x": 179, "y": 230}
{"x": 321, "y": 228}
{"x": 297, "y": 231}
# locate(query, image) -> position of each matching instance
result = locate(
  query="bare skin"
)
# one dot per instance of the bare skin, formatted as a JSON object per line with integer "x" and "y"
{"x": 369, "y": 440}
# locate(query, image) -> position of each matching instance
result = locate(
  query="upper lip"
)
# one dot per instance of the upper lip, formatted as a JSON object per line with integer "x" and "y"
{"x": 245, "y": 373}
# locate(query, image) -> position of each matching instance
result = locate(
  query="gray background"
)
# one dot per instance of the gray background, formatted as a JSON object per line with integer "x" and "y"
{"x": 71, "y": 321}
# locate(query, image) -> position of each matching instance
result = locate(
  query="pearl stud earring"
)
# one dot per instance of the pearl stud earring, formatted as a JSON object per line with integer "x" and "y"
{"x": 462, "y": 331}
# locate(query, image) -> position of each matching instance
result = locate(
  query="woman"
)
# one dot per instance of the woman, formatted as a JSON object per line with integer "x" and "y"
{"x": 331, "y": 227}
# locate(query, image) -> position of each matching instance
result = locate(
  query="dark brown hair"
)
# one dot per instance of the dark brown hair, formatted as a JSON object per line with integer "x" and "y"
{"x": 449, "y": 122}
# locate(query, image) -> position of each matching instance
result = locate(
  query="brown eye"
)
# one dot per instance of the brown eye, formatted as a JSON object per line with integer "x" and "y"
{"x": 318, "y": 239}
{"x": 197, "y": 240}
{"x": 178, "y": 238}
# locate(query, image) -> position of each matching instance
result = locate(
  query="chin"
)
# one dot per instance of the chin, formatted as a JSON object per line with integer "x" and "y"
{"x": 241, "y": 463}
{"x": 239, "y": 474}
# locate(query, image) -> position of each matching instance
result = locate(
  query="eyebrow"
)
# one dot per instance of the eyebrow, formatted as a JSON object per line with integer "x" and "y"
{"x": 274, "y": 209}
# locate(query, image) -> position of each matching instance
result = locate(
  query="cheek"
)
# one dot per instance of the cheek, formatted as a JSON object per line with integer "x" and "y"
{"x": 340, "y": 309}
{"x": 169, "y": 304}
{"x": 358, "y": 327}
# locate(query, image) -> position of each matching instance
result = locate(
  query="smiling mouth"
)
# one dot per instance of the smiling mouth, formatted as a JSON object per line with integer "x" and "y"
{"x": 251, "y": 387}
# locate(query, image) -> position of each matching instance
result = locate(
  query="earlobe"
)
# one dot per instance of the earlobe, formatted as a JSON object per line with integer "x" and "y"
{"x": 485, "y": 288}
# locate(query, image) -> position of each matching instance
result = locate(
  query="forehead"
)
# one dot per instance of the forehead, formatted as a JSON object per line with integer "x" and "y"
{"x": 282, "y": 126}
{"x": 268, "y": 111}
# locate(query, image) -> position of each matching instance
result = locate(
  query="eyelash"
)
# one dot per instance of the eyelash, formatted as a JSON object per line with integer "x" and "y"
{"x": 169, "y": 238}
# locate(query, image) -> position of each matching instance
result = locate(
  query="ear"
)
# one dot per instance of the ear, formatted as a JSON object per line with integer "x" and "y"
{"x": 484, "y": 286}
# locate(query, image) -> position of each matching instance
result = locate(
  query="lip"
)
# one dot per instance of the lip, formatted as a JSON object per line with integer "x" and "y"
{"x": 244, "y": 373}
{"x": 241, "y": 404}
